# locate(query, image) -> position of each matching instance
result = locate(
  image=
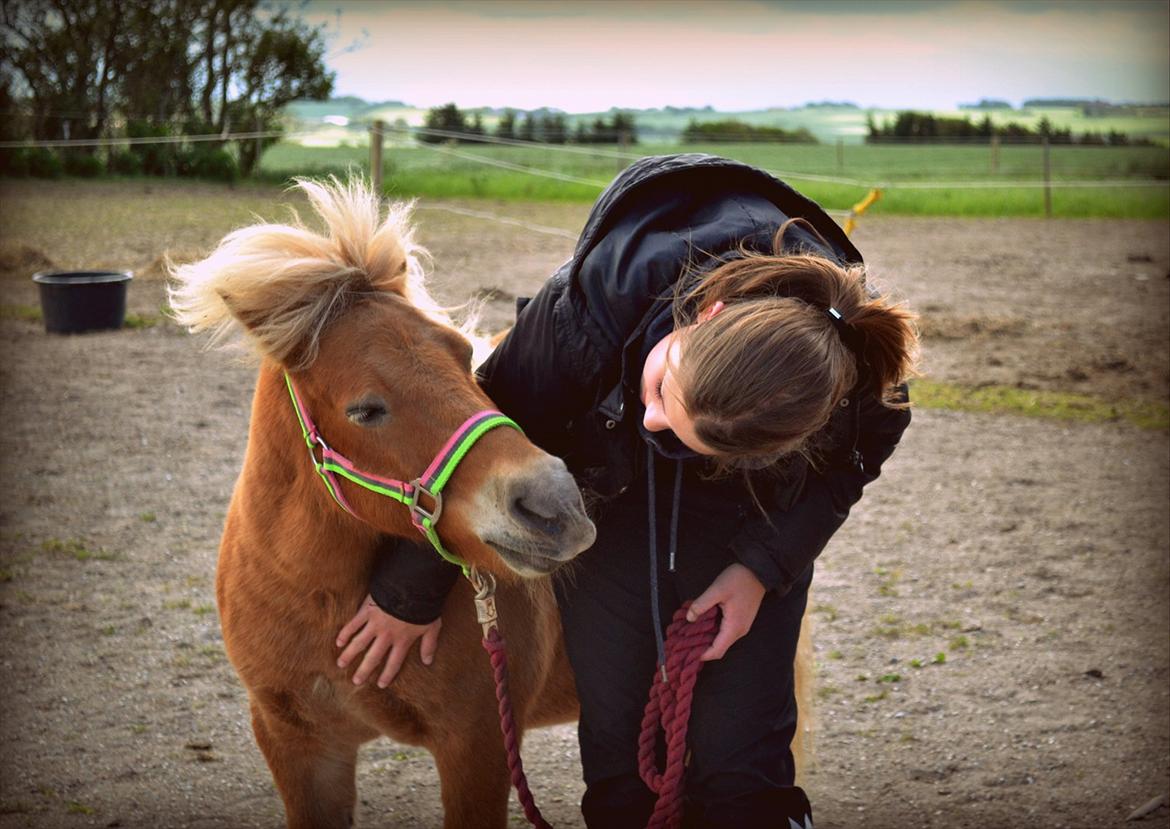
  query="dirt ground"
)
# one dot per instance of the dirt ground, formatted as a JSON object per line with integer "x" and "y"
{"x": 991, "y": 624}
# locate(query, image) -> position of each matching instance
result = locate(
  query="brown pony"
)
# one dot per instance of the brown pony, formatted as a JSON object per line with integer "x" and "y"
{"x": 388, "y": 379}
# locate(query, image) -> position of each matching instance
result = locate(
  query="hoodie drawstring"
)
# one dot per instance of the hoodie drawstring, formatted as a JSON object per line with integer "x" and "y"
{"x": 674, "y": 513}
{"x": 652, "y": 500}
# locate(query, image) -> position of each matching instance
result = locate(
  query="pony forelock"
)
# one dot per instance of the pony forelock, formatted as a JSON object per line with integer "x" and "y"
{"x": 284, "y": 283}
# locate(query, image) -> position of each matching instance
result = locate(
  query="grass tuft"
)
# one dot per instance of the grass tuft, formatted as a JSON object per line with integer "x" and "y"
{"x": 1146, "y": 414}
{"x": 24, "y": 313}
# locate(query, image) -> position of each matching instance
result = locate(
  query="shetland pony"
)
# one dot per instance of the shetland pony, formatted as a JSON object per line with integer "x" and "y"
{"x": 388, "y": 380}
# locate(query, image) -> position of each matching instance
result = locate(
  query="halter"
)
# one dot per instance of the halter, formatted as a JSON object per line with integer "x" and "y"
{"x": 429, "y": 484}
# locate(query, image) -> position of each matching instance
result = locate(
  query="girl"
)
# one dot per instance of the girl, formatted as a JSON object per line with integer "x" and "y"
{"x": 717, "y": 375}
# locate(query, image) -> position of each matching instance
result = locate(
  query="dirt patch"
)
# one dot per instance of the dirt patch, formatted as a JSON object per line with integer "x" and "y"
{"x": 1031, "y": 555}
{"x": 1078, "y": 305}
{"x": 21, "y": 260}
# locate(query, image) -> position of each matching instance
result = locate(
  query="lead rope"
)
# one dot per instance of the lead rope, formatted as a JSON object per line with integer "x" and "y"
{"x": 669, "y": 706}
{"x": 493, "y": 643}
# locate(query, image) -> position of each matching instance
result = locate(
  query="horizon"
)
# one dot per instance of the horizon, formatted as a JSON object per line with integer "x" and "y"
{"x": 963, "y": 106}
{"x": 771, "y": 54}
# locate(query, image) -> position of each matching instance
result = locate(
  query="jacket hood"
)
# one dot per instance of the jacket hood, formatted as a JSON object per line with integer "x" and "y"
{"x": 690, "y": 208}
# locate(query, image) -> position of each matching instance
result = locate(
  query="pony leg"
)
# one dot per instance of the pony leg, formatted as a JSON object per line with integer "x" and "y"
{"x": 316, "y": 778}
{"x": 473, "y": 776}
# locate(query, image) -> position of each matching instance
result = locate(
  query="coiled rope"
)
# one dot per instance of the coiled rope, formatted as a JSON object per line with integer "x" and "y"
{"x": 669, "y": 708}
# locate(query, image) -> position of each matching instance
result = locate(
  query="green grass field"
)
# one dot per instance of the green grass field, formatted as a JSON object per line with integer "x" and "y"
{"x": 430, "y": 172}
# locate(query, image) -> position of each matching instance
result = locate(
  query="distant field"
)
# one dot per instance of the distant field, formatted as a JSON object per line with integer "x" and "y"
{"x": 424, "y": 171}
{"x": 828, "y": 123}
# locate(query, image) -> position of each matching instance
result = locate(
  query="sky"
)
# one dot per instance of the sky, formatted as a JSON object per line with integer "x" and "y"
{"x": 744, "y": 54}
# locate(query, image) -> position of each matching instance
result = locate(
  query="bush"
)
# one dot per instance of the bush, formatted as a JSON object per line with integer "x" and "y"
{"x": 204, "y": 161}
{"x": 82, "y": 165}
{"x": 14, "y": 162}
{"x": 44, "y": 164}
{"x": 154, "y": 159}
{"x": 217, "y": 164}
{"x": 125, "y": 163}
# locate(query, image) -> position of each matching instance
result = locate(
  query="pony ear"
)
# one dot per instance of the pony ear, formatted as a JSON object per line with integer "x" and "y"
{"x": 256, "y": 322}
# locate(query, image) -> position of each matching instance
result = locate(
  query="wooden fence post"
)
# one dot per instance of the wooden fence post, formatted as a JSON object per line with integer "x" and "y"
{"x": 376, "y": 157}
{"x": 994, "y": 154}
{"x": 1047, "y": 179}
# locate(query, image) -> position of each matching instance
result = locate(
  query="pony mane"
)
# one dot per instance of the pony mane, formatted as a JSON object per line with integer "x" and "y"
{"x": 284, "y": 283}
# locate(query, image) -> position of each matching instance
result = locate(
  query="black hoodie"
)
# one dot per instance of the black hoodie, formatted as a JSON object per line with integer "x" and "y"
{"x": 569, "y": 370}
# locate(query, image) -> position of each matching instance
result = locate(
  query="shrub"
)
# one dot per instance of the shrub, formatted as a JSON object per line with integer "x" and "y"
{"x": 82, "y": 165}
{"x": 217, "y": 164}
{"x": 14, "y": 162}
{"x": 204, "y": 161}
{"x": 125, "y": 163}
{"x": 42, "y": 163}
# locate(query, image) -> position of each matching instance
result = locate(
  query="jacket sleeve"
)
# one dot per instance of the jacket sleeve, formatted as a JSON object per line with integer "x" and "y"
{"x": 538, "y": 375}
{"x": 410, "y": 580}
{"x": 779, "y": 548}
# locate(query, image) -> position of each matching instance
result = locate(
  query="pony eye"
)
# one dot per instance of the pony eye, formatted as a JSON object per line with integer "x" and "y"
{"x": 367, "y": 413}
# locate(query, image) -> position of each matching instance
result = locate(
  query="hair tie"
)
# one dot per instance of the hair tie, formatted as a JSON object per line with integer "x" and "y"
{"x": 853, "y": 338}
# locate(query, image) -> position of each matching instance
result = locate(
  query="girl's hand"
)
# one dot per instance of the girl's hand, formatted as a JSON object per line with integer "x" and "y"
{"x": 386, "y": 637}
{"x": 738, "y": 593}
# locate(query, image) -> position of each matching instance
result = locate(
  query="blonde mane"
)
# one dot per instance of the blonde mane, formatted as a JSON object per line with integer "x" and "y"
{"x": 283, "y": 284}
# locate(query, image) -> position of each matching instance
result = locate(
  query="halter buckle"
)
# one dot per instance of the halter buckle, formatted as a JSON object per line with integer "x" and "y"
{"x": 417, "y": 511}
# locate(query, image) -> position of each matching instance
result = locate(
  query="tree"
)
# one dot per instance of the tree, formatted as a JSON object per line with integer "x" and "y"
{"x": 554, "y": 128}
{"x": 527, "y": 130}
{"x": 170, "y": 66}
{"x": 476, "y": 128}
{"x": 506, "y": 126}
{"x": 448, "y": 123}
{"x": 625, "y": 131}
{"x": 67, "y": 59}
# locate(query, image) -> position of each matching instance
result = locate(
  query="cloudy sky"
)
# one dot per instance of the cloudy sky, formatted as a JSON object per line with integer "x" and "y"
{"x": 744, "y": 54}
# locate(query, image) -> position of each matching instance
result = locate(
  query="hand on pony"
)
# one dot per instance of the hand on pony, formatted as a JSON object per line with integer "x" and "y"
{"x": 738, "y": 593}
{"x": 383, "y": 636}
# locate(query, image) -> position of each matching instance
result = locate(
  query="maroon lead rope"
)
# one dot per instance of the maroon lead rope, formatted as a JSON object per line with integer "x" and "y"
{"x": 669, "y": 705}
{"x": 493, "y": 643}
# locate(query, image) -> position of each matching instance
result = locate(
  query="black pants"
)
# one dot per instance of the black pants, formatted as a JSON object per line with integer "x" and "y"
{"x": 740, "y": 772}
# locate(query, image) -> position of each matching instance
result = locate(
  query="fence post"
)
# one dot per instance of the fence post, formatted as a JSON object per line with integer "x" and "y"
{"x": 624, "y": 144}
{"x": 840, "y": 155}
{"x": 994, "y": 154}
{"x": 1047, "y": 179}
{"x": 376, "y": 157}
{"x": 259, "y": 143}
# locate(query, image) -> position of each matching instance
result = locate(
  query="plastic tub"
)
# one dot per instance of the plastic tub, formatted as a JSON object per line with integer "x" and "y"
{"x": 77, "y": 301}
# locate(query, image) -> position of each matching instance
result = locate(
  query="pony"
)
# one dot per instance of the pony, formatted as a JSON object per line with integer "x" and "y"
{"x": 347, "y": 334}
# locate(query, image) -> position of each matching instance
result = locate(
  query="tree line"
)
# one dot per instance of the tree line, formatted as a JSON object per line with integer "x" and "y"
{"x": 927, "y": 128}
{"x": 86, "y": 69}
{"x": 449, "y": 123}
{"x": 733, "y": 131}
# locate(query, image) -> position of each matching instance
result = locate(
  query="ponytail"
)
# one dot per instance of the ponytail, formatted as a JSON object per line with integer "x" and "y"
{"x": 799, "y": 332}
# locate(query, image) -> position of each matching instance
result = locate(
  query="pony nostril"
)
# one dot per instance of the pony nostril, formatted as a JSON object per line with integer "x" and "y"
{"x": 528, "y": 510}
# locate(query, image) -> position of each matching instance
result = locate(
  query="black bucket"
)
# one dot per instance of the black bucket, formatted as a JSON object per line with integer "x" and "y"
{"x": 76, "y": 301}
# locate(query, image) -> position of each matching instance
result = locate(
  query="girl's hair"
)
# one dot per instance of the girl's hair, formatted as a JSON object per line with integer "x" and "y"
{"x": 764, "y": 375}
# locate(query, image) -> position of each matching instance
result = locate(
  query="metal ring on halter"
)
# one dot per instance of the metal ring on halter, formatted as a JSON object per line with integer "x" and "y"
{"x": 419, "y": 511}
{"x": 318, "y": 464}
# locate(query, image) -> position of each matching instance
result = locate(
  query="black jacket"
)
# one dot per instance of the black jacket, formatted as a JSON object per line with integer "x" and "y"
{"x": 569, "y": 370}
